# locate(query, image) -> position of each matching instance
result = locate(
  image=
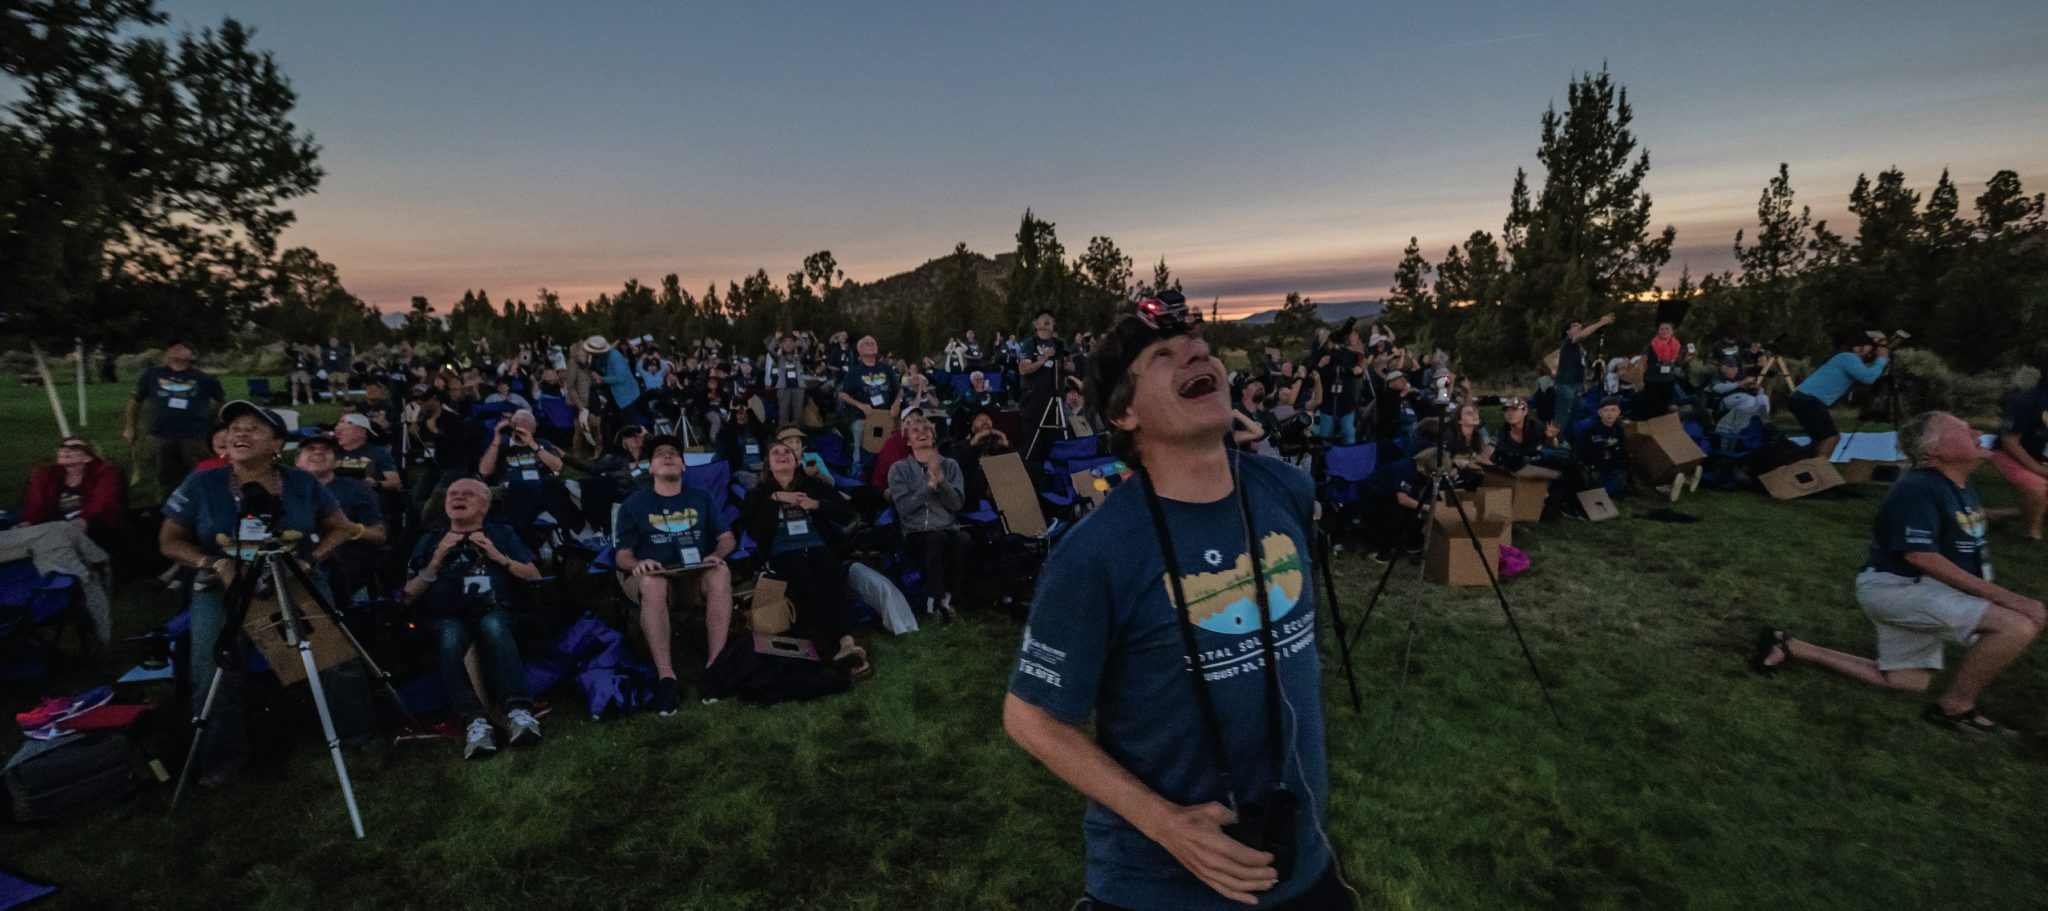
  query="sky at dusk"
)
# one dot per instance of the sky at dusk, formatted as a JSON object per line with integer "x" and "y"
{"x": 1260, "y": 150}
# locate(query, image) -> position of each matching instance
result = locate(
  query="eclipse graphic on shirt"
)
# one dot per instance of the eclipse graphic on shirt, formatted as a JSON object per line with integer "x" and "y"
{"x": 175, "y": 387}
{"x": 1971, "y": 521}
{"x": 1224, "y": 601}
{"x": 673, "y": 522}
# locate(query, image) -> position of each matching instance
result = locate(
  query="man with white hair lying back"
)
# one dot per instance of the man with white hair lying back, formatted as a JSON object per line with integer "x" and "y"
{"x": 1927, "y": 580}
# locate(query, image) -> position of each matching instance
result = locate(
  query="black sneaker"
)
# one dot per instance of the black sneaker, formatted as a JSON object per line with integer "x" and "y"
{"x": 667, "y": 692}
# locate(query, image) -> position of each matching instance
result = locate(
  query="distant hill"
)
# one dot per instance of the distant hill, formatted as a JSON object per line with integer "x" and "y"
{"x": 1332, "y": 314}
{"x": 394, "y": 319}
{"x": 919, "y": 286}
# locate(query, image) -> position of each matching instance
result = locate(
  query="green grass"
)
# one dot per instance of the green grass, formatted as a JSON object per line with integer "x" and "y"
{"x": 1678, "y": 781}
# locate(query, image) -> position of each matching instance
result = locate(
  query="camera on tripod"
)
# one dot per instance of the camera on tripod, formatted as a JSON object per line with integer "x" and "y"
{"x": 1897, "y": 339}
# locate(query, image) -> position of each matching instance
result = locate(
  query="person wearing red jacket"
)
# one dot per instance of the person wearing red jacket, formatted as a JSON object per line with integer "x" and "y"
{"x": 81, "y": 488}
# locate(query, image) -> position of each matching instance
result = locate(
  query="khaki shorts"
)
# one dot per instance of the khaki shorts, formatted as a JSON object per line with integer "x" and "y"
{"x": 1914, "y": 617}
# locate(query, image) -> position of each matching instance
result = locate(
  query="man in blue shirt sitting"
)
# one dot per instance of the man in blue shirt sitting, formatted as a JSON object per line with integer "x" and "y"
{"x": 1862, "y": 360}
{"x": 1927, "y": 580}
{"x": 665, "y": 530}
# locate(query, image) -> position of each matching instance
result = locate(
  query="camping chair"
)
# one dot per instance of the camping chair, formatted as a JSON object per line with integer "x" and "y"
{"x": 35, "y": 609}
{"x": 260, "y": 391}
{"x": 1345, "y": 469}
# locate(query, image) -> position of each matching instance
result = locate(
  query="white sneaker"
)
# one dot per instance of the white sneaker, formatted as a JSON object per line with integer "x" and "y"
{"x": 482, "y": 739}
{"x": 525, "y": 729}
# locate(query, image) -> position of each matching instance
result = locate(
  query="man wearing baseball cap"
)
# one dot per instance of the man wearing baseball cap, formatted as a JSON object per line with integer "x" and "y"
{"x": 356, "y": 456}
{"x": 1179, "y": 617}
{"x": 353, "y": 565}
{"x": 664, "y": 530}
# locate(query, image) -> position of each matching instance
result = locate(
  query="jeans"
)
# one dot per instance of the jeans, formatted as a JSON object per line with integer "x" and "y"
{"x": 497, "y": 654}
{"x": 175, "y": 457}
{"x": 1326, "y": 894}
{"x": 224, "y": 744}
{"x": 1568, "y": 399}
{"x": 1344, "y": 427}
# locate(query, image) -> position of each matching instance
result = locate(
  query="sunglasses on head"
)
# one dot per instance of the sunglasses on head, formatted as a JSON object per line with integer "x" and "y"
{"x": 1514, "y": 403}
{"x": 74, "y": 444}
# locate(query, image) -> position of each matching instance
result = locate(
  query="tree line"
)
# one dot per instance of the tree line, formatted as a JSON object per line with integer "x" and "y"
{"x": 1973, "y": 287}
{"x": 145, "y": 179}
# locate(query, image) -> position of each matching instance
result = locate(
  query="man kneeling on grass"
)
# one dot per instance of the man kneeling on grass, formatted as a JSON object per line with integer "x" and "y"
{"x": 668, "y": 529}
{"x": 1928, "y": 579}
{"x": 462, "y": 574}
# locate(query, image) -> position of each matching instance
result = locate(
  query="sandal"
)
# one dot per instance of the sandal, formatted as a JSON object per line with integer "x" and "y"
{"x": 1967, "y": 721}
{"x": 854, "y": 661}
{"x": 1768, "y": 641}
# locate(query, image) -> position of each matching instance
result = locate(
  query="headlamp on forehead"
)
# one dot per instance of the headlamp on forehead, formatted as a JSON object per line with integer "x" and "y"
{"x": 1168, "y": 312}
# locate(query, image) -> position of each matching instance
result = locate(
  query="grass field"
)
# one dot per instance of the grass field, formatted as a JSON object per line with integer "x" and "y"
{"x": 1678, "y": 780}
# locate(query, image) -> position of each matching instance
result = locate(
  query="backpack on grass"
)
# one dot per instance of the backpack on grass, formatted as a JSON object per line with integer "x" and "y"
{"x": 72, "y": 776}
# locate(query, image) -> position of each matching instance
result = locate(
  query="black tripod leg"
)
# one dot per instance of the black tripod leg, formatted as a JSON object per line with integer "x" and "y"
{"x": 235, "y": 610}
{"x": 1494, "y": 580}
{"x": 1329, "y": 580}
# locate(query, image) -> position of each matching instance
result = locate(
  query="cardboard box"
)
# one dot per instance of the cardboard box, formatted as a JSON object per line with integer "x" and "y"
{"x": 1530, "y": 495}
{"x": 1016, "y": 497}
{"x": 771, "y": 612}
{"x": 1451, "y": 559}
{"x": 265, "y": 627}
{"x": 1496, "y": 497}
{"x": 876, "y": 431}
{"x": 1598, "y": 506}
{"x": 1867, "y": 471}
{"x": 1801, "y": 478}
{"x": 1490, "y": 509}
{"x": 1660, "y": 449}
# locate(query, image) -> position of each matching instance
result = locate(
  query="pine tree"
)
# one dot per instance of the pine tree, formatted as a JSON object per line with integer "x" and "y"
{"x": 1583, "y": 246}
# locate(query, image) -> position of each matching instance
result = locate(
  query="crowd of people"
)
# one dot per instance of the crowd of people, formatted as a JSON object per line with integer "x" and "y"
{"x": 455, "y": 479}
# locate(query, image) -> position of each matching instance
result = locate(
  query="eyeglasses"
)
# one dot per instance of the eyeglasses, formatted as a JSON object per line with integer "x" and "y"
{"x": 76, "y": 447}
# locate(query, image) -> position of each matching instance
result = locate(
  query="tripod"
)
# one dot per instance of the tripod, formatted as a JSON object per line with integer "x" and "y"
{"x": 1053, "y": 416}
{"x": 272, "y": 562}
{"x": 1443, "y": 484}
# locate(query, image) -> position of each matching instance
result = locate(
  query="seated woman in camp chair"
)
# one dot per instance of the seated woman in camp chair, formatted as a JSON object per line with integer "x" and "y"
{"x": 81, "y": 488}
{"x": 793, "y": 516}
{"x": 669, "y": 535}
{"x": 929, "y": 492}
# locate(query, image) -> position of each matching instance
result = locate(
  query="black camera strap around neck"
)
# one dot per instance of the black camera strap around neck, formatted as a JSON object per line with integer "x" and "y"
{"x": 1268, "y": 650}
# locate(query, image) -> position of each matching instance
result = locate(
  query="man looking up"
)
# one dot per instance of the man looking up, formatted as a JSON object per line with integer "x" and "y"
{"x": 182, "y": 399}
{"x": 1861, "y": 360}
{"x": 1146, "y": 617}
{"x": 869, "y": 387}
{"x": 353, "y": 565}
{"x": 1927, "y": 580}
{"x": 461, "y": 575}
{"x": 355, "y": 455}
{"x": 664, "y": 529}
{"x": 1038, "y": 368}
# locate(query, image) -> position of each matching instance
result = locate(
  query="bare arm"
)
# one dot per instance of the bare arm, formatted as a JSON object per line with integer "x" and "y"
{"x": 1942, "y": 569}
{"x": 1194, "y": 835}
{"x": 2009, "y": 443}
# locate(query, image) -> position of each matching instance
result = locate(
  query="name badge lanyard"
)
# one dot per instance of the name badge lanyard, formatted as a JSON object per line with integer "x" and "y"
{"x": 1268, "y": 651}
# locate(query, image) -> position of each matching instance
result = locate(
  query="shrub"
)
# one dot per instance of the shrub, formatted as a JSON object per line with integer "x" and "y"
{"x": 1927, "y": 383}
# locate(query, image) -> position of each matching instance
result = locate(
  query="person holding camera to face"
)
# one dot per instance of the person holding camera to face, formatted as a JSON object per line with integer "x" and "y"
{"x": 1862, "y": 360}
{"x": 461, "y": 577}
{"x": 1179, "y": 616}
{"x": 525, "y": 466}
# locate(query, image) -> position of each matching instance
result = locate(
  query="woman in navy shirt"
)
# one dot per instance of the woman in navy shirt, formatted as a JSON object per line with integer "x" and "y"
{"x": 206, "y": 510}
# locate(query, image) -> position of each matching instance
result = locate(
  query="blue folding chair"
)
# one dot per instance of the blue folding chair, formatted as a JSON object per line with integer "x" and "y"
{"x": 1345, "y": 469}
{"x": 259, "y": 390}
{"x": 962, "y": 383}
{"x": 35, "y": 610}
{"x": 555, "y": 412}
